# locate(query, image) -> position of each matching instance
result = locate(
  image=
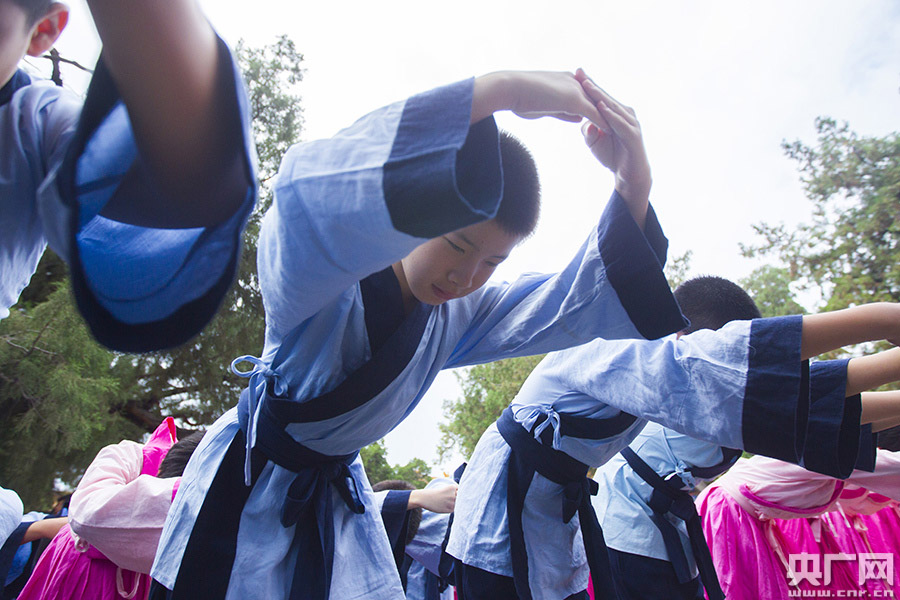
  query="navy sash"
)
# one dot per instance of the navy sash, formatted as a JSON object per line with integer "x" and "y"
{"x": 529, "y": 456}
{"x": 668, "y": 497}
{"x": 446, "y": 563}
{"x": 307, "y": 505}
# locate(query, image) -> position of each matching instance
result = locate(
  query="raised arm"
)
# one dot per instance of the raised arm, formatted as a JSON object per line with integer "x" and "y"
{"x": 165, "y": 60}
{"x": 534, "y": 94}
{"x": 881, "y": 409}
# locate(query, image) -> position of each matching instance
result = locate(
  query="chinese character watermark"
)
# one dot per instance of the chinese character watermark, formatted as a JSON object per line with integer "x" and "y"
{"x": 809, "y": 567}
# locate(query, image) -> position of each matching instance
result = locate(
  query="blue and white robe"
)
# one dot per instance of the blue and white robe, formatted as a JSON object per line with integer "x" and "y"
{"x": 622, "y": 502}
{"x": 139, "y": 288}
{"x": 346, "y": 208}
{"x": 743, "y": 386}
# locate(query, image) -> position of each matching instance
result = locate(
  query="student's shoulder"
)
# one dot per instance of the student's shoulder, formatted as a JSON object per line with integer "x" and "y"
{"x": 41, "y": 109}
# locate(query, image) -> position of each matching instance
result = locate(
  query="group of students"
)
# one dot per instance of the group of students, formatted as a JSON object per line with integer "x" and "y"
{"x": 374, "y": 263}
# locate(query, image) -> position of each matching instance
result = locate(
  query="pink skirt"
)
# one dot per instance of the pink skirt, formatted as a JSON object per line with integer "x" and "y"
{"x": 747, "y": 567}
{"x": 65, "y": 571}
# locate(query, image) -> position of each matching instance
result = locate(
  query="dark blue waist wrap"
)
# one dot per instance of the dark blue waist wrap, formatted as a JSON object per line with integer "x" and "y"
{"x": 668, "y": 498}
{"x": 307, "y": 506}
{"x": 529, "y": 456}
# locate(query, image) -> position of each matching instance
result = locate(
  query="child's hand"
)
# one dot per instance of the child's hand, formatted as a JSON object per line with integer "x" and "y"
{"x": 621, "y": 147}
{"x": 534, "y": 94}
{"x": 437, "y": 499}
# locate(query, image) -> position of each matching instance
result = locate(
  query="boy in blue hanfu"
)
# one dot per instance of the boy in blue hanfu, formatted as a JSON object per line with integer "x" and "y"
{"x": 143, "y": 189}
{"x": 374, "y": 261}
{"x": 524, "y": 525}
{"x": 651, "y": 527}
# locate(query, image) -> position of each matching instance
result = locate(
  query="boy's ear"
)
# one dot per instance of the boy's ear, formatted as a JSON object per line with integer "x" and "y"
{"x": 47, "y": 30}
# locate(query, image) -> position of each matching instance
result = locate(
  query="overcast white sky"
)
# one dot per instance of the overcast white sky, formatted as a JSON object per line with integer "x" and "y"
{"x": 716, "y": 85}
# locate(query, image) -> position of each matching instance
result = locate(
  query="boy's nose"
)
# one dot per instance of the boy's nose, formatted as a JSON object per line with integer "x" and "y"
{"x": 461, "y": 277}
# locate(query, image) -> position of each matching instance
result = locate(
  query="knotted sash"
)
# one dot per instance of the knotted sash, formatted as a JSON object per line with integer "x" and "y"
{"x": 529, "y": 456}
{"x": 668, "y": 498}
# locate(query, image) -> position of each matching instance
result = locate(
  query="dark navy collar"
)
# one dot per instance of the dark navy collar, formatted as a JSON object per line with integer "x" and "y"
{"x": 19, "y": 80}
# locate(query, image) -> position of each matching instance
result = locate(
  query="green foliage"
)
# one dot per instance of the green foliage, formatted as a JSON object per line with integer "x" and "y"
{"x": 850, "y": 251}
{"x": 374, "y": 457}
{"x": 487, "y": 390}
{"x": 770, "y": 288}
{"x": 678, "y": 268}
{"x": 56, "y": 389}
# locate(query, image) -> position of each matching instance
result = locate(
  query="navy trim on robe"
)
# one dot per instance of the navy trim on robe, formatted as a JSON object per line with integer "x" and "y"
{"x": 383, "y": 306}
{"x": 833, "y": 436}
{"x": 770, "y": 425}
{"x": 395, "y": 515}
{"x": 868, "y": 448}
{"x": 190, "y": 318}
{"x": 427, "y": 196}
{"x": 8, "y": 551}
{"x": 213, "y": 540}
{"x": 19, "y": 80}
{"x": 362, "y": 385}
{"x": 634, "y": 268}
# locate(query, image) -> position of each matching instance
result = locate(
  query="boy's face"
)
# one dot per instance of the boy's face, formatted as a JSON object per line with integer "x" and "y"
{"x": 456, "y": 264}
{"x": 15, "y": 36}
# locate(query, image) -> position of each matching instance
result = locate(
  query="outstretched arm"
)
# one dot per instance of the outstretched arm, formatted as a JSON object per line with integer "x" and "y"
{"x": 869, "y": 372}
{"x": 164, "y": 58}
{"x": 881, "y": 409}
{"x": 831, "y": 330}
{"x": 440, "y": 499}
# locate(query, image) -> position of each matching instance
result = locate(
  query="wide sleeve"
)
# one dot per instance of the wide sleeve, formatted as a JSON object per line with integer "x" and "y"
{"x": 142, "y": 288}
{"x": 836, "y": 444}
{"x": 614, "y": 287}
{"x": 743, "y": 386}
{"x": 118, "y": 510}
{"x": 354, "y": 204}
{"x": 10, "y": 513}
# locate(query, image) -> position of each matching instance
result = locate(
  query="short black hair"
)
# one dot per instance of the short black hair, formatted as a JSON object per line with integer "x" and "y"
{"x": 34, "y": 10}
{"x": 520, "y": 205}
{"x": 178, "y": 455}
{"x": 889, "y": 439}
{"x": 710, "y": 302}
{"x": 415, "y": 515}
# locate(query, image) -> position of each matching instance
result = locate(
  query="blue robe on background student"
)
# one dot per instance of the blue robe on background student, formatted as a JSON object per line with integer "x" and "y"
{"x": 345, "y": 209}
{"x": 623, "y": 502}
{"x": 743, "y": 386}
{"x": 420, "y": 567}
{"x": 139, "y": 288}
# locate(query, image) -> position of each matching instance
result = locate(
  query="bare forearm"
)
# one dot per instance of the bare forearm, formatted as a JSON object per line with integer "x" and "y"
{"x": 869, "y": 372}
{"x": 164, "y": 58}
{"x": 490, "y": 94}
{"x": 880, "y": 407}
{"x": 828, "y": 331}
{"x": 44, "y": 529}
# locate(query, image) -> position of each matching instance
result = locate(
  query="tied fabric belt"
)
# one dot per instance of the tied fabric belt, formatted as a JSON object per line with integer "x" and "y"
{"x": 307, "y": 506}
{"x": 669, "y": 498}
{"x": 530, "y": 456}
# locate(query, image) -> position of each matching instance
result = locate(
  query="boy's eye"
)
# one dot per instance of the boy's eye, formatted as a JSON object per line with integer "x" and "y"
{"x": 454, "y": 246}
{"x": 492, "y": 264}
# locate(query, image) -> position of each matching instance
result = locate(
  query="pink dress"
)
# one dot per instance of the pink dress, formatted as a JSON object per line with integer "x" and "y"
{"x": 115, "y": 520}
{"x": 764, "y": 510}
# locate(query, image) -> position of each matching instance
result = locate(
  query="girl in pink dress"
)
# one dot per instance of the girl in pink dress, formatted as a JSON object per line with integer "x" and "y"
{"x": 759, "y": 517}
{"x": 115, "y": 520}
